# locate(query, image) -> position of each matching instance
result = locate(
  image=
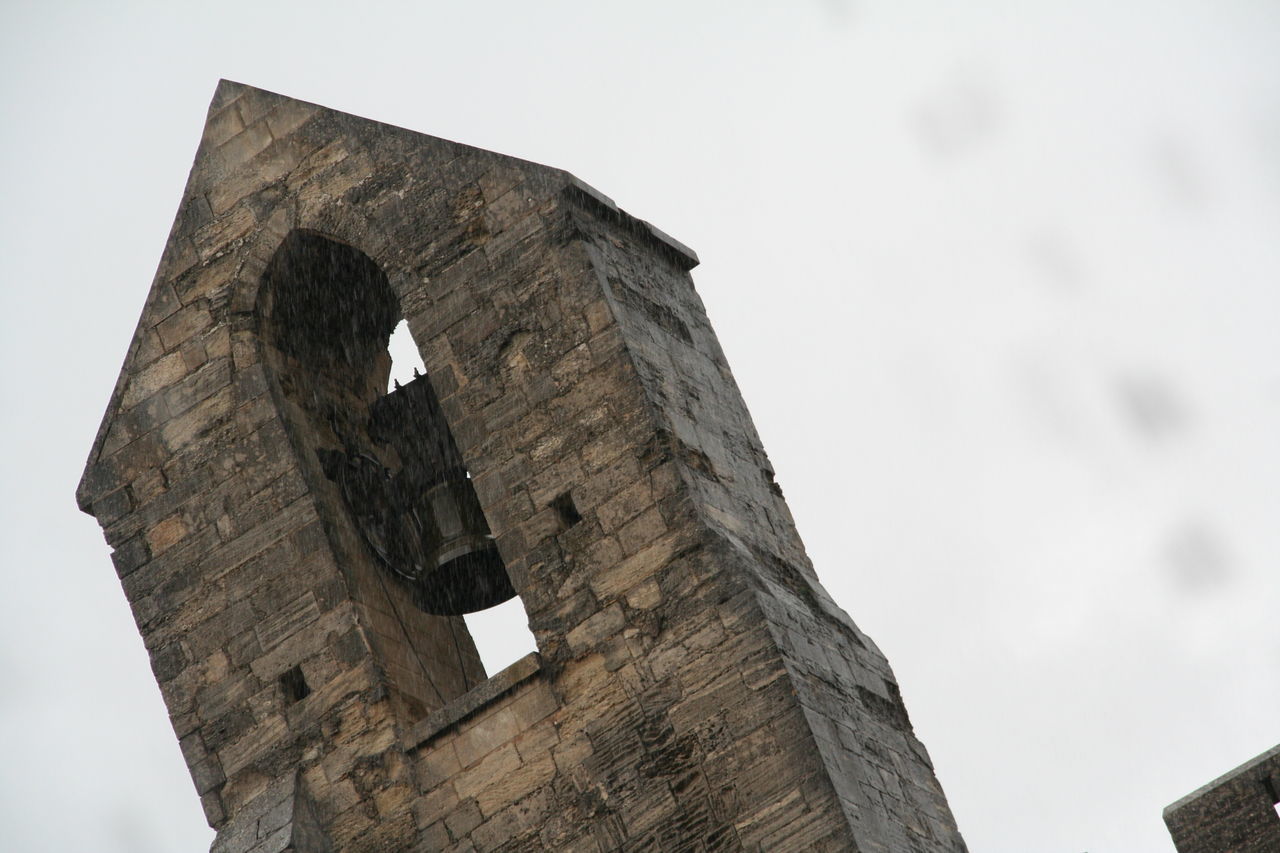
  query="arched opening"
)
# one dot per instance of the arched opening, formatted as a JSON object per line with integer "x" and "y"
{"x": 402, "y": 514}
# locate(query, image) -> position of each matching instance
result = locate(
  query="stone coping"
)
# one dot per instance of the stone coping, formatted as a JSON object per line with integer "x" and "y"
{"x": 686, "y": 257}
{"x": 473, "y": 700}
{"x": 1253, "y": 764}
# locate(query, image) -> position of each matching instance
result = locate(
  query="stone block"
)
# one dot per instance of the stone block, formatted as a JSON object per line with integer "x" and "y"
{"x": 131, "y": 554}
{"x": 523, "y": 780}
{"x": 533, "y": 704}
{"x": 167, "y": 533}
{"x": 243, "y": 145}
{"x": 463, "y": 819}
{"x": 642, "y": 565}
{"x": 285, "y": 621}
{"x": 159, "y": 375}
{"x": 184, "y": 324}
{"x": 625, "y": 505}
{"x": 597, "y": 627}
{"x": 485, "y": 733}
{"x": 222, "y": 125}
{"x": 435, "y": 804}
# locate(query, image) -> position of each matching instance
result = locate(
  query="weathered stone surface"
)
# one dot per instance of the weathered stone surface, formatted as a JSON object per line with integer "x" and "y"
{"x": 694, "y": 687}
{"x": 1236, "y": 812}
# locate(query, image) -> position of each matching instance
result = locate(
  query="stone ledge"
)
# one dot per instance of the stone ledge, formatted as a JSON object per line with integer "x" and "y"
{"x": 593, "y": 198}
{"x": 473, "y": 700}
{"x": 1255, "y": 768}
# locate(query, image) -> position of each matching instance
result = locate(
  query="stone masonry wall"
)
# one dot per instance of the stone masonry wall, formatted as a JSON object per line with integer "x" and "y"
{"x": 849, "y": 695}
{"x": 695, "y": 688}
{"x": 1236, "y": 812}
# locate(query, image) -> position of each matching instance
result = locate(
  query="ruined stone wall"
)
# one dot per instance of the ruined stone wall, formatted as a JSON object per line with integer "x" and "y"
{"x": 694, "y": 688}
{"x": 1236, "y": 812}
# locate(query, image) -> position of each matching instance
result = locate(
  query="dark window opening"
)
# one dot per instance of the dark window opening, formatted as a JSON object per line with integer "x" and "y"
{"x": 569, "y": 515}
{"x": 294, "y": 686}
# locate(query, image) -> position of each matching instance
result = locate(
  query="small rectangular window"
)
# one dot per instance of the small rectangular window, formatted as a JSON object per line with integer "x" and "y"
{"x": 294, "y": 686}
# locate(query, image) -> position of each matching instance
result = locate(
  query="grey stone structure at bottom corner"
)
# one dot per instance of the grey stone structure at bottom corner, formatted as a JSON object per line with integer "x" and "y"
{"x": 298, "y": 544}
{"x": 1235, "y": 813}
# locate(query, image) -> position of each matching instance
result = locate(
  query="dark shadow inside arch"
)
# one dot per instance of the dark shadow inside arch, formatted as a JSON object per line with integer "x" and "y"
{"x": 330, "y": 311}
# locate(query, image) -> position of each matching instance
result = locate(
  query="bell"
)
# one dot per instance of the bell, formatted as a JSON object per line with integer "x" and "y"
{"x": 468, "y": 573}
{"x": 456, "y": 568}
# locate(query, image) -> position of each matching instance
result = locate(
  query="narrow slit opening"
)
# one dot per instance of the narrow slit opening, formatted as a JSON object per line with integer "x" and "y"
{"x": 564, "y": 507}
{"x": 1273, "y": 795}
{"x": 294, "y": 685}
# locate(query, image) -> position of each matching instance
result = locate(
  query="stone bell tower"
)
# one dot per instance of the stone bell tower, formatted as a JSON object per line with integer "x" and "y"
{"x": 298, "y": 545}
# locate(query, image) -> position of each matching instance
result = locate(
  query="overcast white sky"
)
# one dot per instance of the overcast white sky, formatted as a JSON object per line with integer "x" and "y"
{"x": 999, "y": 282}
